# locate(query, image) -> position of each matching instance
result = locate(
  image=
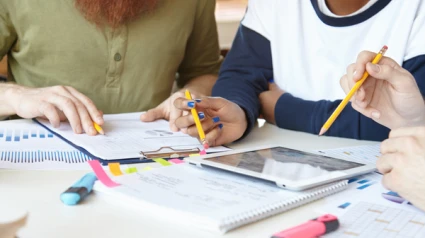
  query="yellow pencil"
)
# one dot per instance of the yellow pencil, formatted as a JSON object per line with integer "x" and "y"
{"x": 197, "y": 122}
{"x": 98, "y": 128}
{"x": 347, "y": 98}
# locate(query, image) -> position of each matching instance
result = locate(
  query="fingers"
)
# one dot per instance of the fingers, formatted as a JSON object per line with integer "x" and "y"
{"x": 184, "y": 104}
{"x": 82, "y": 111}
{"x": 152, "y": 115}
{"x": 174, "y": 114}
{"x": 367, "y": 111}
{"x": 391, "y": 145}
{"x": 67, "y": 106}
{"x": 388, "y": 181}
{"x": 50, "y": 112}
{"x": 95, "y": 114}
{"x": 207, "y": 125}
{"x": 212, "y": 136}
{"x": 187, "y": 120}
{"x": 407, "y": 131}
{"x": 384, "y": 163}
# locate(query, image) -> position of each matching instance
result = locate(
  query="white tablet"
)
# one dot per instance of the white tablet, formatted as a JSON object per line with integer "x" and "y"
{"x": 288, "y": 168}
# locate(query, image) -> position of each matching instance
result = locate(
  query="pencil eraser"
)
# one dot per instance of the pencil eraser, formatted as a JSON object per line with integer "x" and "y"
{"x": 206, "y": 146}
{"x": 385, "y": 47}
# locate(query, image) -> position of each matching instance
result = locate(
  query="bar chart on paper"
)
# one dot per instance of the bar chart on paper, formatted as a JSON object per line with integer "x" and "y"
{"x": 26, "y": 145}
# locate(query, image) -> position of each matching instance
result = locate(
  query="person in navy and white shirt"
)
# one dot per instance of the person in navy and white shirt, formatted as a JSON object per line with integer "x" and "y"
{"x": 304, "y": 47}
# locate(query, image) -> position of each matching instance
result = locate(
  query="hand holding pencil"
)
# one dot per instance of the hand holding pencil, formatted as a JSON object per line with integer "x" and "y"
{"x": 390, "y": 95}
{"x": 221, "y": 120}
{"x": 350, "y": 94}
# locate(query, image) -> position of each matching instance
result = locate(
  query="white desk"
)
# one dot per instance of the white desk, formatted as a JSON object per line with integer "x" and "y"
{"x": 38, "y": 192}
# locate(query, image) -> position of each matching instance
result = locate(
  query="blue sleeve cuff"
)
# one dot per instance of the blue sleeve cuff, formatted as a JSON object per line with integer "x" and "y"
{"x": 294, "y": 114}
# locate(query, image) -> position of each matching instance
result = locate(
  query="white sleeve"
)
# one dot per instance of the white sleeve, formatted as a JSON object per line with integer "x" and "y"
{"x": 416, "y": 42}
{"x": 259, "y": 17}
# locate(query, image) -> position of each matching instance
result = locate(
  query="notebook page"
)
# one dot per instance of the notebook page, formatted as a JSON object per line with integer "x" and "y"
{"x": 126, "y": 136}
{"x": 367, "y": 154}
{"x": 26, "y": 145}
{"x": 217, "y": 195}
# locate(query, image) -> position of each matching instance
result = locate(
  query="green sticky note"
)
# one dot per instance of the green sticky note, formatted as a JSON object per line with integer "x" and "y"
{"x": 131, "y": 170}
{"x": 163, "y": 162}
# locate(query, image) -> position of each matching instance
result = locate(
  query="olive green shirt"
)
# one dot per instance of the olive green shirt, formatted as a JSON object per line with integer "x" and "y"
{"x": 130, "y": 68}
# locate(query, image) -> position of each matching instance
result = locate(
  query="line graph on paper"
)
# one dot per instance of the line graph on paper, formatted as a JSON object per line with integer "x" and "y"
{"x": 26, "y": 145}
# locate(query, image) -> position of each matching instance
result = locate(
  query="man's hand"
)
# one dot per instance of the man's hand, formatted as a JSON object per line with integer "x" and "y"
{"x": 403, "y": 164}
{"x": 390, "y": 95}
{"x": 223, "y": 121}
{"x": 58, "y": 103}
{"x": 166, "y": 110}
{"x": 268, "y": 100}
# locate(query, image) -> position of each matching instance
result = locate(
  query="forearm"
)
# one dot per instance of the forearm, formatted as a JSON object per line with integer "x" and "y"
{"x": 309, "y": 116}
{"x": 202, "y": 84}
{"x": 6, "y": 97}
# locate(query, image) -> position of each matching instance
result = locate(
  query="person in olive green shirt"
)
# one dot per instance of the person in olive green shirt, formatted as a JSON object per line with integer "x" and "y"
{"x": 74, "y": 59}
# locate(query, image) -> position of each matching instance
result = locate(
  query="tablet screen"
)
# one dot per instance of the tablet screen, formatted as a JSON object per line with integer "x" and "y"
{"x": 285, "y": 163}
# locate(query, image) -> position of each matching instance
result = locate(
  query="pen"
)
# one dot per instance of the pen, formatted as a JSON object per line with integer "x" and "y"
{"x": 313, "y": 228}
{"x": 347, "y": 98}
{"x": 197, "y": 122}
{"x": 98, "y": 128}
{"x": 79, "y": 190}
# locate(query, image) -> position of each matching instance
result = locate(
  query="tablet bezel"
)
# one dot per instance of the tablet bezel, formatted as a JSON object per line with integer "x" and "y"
{"x": 283, "y": 183}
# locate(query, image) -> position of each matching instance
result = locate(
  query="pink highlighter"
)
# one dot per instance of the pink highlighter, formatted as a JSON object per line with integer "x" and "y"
{"x": 313, "y": 228}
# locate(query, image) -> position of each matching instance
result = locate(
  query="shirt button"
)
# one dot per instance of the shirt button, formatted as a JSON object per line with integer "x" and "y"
{"x": 117, "y": 57}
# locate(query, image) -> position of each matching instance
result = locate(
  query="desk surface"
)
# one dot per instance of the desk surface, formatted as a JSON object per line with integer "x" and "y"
{"x": 38, "y": 192}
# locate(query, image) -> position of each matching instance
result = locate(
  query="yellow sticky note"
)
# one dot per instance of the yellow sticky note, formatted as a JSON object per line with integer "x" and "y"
{"x": 163, "y": 162}
{"x": 193, "y": 155}
{"x": 115, "y": 169}
{"x": 131, "y": 170}
{"x": 147, "y": 168}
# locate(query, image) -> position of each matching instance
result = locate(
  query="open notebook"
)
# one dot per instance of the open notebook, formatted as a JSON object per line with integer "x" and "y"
{"x": 206, "y": 198}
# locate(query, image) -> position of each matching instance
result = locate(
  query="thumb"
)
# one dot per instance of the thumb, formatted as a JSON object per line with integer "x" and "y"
{"x": 385, "y": 72}
{"x": 152, "y": 115}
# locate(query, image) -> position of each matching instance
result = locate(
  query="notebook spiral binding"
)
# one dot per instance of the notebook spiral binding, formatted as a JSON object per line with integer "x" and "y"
{"x": 279, "y": 207}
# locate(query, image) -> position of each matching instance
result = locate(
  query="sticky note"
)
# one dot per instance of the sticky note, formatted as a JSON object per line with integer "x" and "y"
{"x": 193, "y": 155}
{"x": 203, "y": 152}
{"x": 176, "y": 161}
{"x": 131, "y": 170}
{"x": 115, "y": 169}
{"x": 101, "y": 175}
{"x": 147, "y": 168}
{"x": 163, "y": 162}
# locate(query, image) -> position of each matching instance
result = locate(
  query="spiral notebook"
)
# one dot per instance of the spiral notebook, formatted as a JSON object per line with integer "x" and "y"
{"x": 206, "y": 198}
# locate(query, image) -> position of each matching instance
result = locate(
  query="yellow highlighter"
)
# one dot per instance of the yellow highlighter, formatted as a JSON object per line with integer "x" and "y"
{"x": 347, "y": 98}
{"x": 197, "y": 122}
{"x": 98, "y": 128}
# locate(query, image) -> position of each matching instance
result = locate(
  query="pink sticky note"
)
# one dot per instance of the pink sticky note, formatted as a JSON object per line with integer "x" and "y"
{"x": 101, "y": 175}
{"x": 203, "y": 152}
{"x": 176, "y": 161}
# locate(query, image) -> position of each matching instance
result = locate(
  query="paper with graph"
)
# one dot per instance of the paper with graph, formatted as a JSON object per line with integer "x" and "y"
{"x": 367, "y": 209}
{"x": 126, "y": 136}
{"x": 367, "y": 154}
{"x": 26, "y": 145}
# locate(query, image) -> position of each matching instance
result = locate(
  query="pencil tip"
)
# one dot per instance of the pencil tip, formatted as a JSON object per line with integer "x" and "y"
{"x": 322, "y": 131}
